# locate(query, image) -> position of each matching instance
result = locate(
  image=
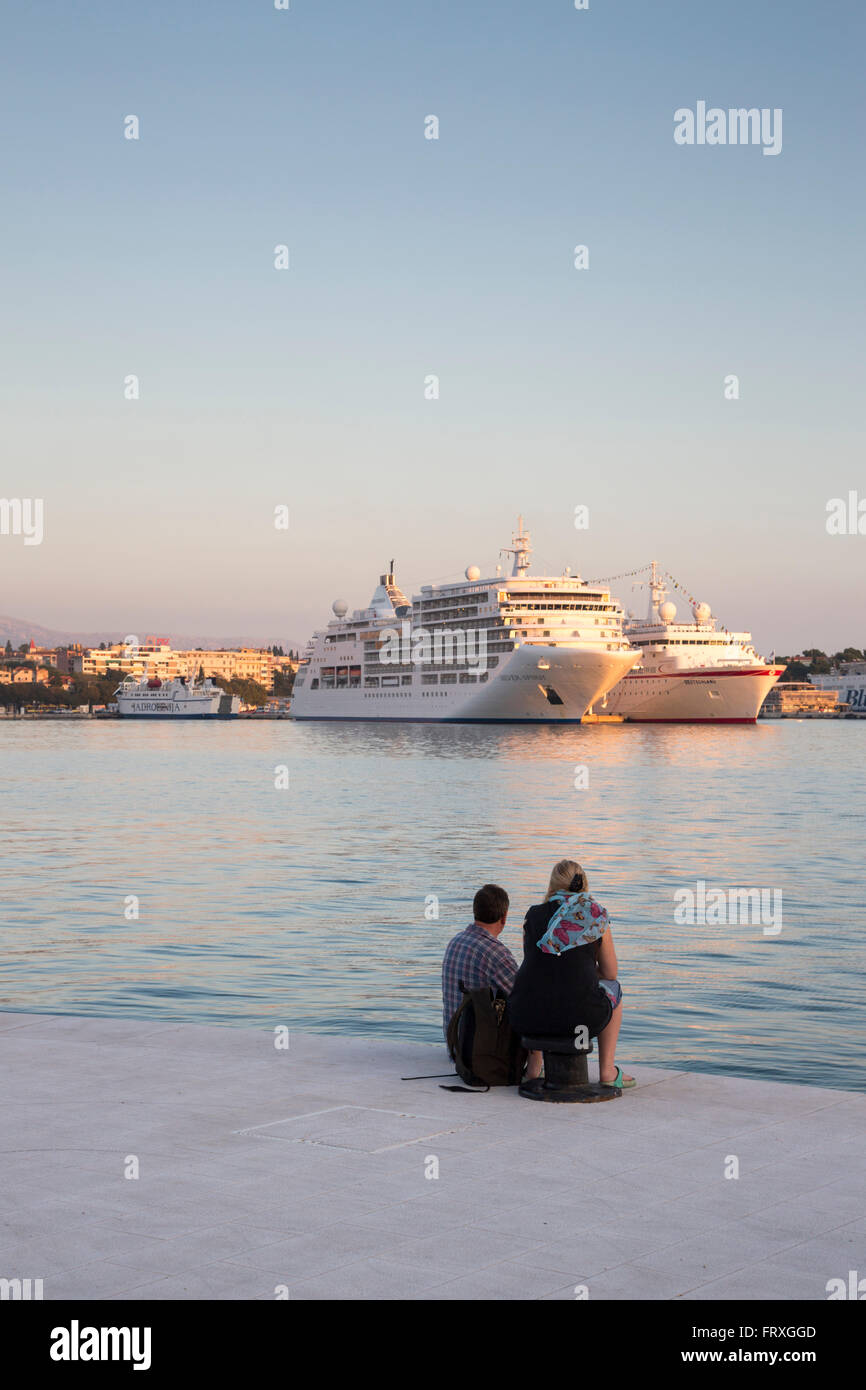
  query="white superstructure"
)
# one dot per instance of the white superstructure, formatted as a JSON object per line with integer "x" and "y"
{"x": 849, "y": 678}
{"x": 182, "y": 698}
{"x": 521, "y": 648}
{"x": 689, "y": 672}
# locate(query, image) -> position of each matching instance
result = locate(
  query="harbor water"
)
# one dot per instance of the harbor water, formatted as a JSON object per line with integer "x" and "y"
{"x": 310, "y": 874}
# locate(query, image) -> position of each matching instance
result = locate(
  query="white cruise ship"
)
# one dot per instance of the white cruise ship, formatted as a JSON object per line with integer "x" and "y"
{"x": 689, "y": 672}
{"x": 523, "y": 648}
{"x": 181, "y": 698}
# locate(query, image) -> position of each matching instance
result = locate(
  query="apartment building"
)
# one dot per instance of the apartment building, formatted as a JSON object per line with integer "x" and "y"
{"x": 157, "y": 658}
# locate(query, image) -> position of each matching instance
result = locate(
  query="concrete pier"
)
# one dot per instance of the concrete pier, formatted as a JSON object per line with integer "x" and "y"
{"x": 314, "y": 1172}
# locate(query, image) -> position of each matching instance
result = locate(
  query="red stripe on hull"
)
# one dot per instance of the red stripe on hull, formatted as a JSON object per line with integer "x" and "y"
{"x": 695, "y": 671}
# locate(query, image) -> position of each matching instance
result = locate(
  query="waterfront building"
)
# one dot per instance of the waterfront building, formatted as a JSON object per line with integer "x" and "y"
{"x": 23, "y": 674}
{"x": 155, "y": 657}
{"x": 850, "y": 680}
{"x": 796, "y": 699}
{"x": 68, "y": 659}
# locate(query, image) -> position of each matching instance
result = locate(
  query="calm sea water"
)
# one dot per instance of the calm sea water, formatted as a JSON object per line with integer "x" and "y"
{"x": 260, "y": 905}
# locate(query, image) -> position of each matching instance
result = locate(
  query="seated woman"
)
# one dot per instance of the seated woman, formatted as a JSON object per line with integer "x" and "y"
{"x": 568, "y": 976}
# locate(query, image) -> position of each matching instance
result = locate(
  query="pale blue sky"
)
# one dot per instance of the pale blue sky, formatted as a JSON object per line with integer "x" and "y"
{"x": 410, "y": 257}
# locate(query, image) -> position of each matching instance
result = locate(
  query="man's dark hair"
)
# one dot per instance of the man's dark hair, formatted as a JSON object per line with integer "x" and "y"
{"x": 490, "y": 903}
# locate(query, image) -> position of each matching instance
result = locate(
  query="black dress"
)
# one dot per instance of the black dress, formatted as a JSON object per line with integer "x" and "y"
{"x": 552, "y": 994}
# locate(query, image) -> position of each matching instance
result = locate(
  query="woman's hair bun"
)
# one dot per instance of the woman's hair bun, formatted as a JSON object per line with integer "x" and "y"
{"x": 562, "y": 879}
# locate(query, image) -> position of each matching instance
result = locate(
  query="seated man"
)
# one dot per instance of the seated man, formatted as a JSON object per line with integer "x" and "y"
{"x": 476, "y": 957}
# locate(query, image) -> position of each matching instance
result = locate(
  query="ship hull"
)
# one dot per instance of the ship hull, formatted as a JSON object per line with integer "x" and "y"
{"x": 699, "y": 696}
{"x": 172, "y": 709}
{"x": 127, "y": 714}
{"x": 518, "y": 691}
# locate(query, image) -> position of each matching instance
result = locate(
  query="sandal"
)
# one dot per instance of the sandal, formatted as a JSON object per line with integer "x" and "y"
{"x": 620, "y": 1082}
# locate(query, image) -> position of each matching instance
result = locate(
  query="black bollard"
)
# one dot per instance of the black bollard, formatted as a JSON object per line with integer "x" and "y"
{"x": 566, "y": 1077}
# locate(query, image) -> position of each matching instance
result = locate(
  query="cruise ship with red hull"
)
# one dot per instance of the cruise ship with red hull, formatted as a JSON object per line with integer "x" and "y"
{"x": 689, "y": 673}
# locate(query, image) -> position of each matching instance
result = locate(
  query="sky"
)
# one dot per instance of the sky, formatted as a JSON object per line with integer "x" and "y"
{"x": 410, "y": 257}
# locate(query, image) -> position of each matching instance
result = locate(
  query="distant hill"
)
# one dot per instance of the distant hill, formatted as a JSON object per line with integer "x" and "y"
{"x": 18, "y": 630}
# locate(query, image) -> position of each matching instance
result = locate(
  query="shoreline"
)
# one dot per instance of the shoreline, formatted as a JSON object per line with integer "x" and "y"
{"x": 75, "y": 715}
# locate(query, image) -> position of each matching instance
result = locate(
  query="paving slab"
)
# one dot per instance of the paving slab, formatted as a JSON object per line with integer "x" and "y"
{"x": 167, "y": 1161}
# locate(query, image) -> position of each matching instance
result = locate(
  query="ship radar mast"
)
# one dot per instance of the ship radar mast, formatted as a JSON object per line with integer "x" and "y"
{"x": 520, "y": 548}
{"x": 657, "y": 593}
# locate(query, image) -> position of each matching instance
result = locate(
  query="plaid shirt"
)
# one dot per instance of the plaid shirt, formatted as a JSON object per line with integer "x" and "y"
{"x": 478, "y": 959}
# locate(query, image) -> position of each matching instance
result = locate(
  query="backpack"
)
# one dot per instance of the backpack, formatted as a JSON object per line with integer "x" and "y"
{"x": 486, "y": 1050}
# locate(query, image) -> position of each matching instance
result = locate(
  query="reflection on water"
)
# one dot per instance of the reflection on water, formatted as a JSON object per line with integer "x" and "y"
{"x": 306, "y": 906}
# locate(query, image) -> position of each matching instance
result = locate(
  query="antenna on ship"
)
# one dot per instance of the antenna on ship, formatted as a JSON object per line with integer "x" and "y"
{"x": 520, "y": 548}
{"x": 657, "y": 591}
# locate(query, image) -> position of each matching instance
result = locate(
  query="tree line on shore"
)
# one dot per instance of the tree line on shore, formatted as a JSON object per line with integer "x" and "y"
{"x": 813, "y": 662}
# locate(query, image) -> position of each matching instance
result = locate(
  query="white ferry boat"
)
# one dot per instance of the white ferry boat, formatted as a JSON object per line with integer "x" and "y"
{"x": 181, "y": 698}
{"x": 526, "y": 649}
{"x": 689, "y": 672}
{"x": 850, "y": 680}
